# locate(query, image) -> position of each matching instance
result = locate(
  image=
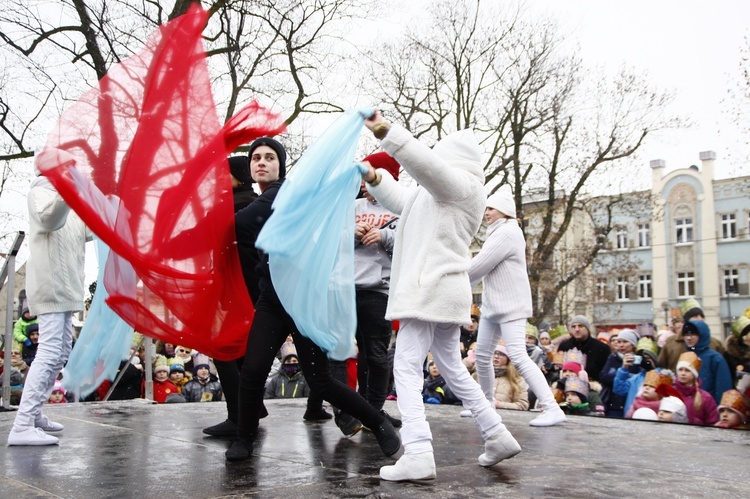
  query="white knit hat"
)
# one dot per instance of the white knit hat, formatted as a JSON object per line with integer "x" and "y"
{"x": 502, "y": 200}
{"x": 676, "y": 407}
{"x": 461, "y": 149}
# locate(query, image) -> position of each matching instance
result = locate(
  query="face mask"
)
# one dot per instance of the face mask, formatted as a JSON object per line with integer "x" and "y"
{"x": 290, "y": 369}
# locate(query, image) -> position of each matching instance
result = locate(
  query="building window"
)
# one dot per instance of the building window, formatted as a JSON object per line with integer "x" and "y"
{"x": 728, "y": 226}
{"x": 644, "y": 286}
{"x": 685, "y": 284}
{"x": 623, "y": 293}
{"x": 601, "y": 289}
{"x": 683, "y": 230}
{"x": 644, "y": 235}
{"x": 731, "y": 276}
{"x": 622, "y": 238}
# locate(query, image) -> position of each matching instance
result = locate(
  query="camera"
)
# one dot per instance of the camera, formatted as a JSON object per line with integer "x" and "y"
{"x": 637, "y": 359}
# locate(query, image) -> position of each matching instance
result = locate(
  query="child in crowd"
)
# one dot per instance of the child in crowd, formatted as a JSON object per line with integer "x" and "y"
{"x": 20, "y": 328}
{"x": 289, "y": 382}
{"x": 178, "y": 376}
{"x": 58, "y": 394}
{"x": 733, "y": 411}
{"x": 701, "y": 406}
{"x": 204, "y": 387}
{"x": 738, "y": 346}
{"x": 163, "y": 387}
{"x": 576, "y": 397}
{"x": 672, "y": 410}
{"x": 649, "y": 395}
{"x": 435, "y": 389}
{"x": 31, "y": 344}
{"x": 511, "y": 390}
{"x": 545, "y": 343}
{"x": 629, "y": 378}
{"x": 714, "y": 371}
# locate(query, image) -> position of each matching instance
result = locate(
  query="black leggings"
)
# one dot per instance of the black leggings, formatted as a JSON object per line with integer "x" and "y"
{"x": 271, "y": 326}
{"x": 229, "y": 376}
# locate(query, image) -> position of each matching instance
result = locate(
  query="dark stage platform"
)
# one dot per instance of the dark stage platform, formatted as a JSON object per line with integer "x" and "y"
{"x": 133, "y": 449}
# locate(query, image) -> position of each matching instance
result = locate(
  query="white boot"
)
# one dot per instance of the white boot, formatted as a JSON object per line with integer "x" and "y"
{"x": 45, "y": 424}
{"x": 499, "y": 446}
{"x": 549, "y": 417}
{"x": 410, "y": 467}
{"x": 466, "y": 413}
{"x": 30, "y": 436}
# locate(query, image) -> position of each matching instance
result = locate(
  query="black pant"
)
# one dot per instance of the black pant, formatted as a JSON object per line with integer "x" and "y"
{"x": 373, "y": 338}
{"x": 229, "y": 375}
{"x": 271, "y": 326}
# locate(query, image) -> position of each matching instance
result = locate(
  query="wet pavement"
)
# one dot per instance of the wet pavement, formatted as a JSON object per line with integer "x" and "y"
{"x": 134, "y": 449}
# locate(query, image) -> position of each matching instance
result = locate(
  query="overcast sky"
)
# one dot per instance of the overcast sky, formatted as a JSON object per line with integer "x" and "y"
{"x": 690, "y": 46}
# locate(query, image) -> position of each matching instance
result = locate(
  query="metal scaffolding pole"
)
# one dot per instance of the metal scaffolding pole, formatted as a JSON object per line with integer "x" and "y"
{"x": 9, "y": 270}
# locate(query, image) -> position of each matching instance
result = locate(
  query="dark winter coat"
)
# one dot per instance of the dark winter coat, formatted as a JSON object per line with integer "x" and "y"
{"x": 714, "y": 373}
{"x": 614, "y": 404}
{"x": 596, "y": 354}
{"x": 737, "y": 354}
{"x": 194, "y": 391}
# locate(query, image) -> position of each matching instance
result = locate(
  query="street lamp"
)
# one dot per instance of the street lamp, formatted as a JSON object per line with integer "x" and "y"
{"x": 666, "y": 307}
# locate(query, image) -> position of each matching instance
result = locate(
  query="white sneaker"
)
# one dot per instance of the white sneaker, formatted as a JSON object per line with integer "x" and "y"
{"x": 410, "y": 467}
{"x": 466, "y": 413}
{"x": 499, "y": 446}
{"x": 30, "y": 436}
{"x": 549, "y": 418}
{"x": 45, "y": 424}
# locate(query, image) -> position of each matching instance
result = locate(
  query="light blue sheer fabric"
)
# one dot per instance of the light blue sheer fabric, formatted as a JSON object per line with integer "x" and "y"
{"x": 310, "y": 239}
{"x": 103, "y": 343}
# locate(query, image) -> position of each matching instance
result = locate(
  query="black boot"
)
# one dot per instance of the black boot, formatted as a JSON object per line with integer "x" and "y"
{"x": 318, "y": 414}
{"x": 224, "y": 429}
{"x": 394, "y": 421}
{"x": 240, "y": 450}
{"x": 348, "y": 425}
{"x": 388, "y": 438}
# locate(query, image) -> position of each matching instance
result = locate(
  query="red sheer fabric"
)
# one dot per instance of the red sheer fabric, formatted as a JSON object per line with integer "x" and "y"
{"x": 149, "y": 136}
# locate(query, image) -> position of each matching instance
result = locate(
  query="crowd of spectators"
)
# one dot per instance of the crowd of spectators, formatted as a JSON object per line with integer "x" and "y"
{"x": 680, "y": 373}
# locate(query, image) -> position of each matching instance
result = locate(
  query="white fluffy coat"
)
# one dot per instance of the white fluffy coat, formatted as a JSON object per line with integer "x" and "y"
{"x": 429, "y": 279}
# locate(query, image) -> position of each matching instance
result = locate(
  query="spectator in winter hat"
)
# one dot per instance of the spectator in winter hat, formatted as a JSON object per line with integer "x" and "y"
{"x": 31, "y": 344}
{"x": 714, "y": 372}
{"x": 701, "y": 406}
{"x": 583, "y": 338}
{"x": 675, "y": 345}
{"x": 20, "y": 328}
{"x": 289, "y": 382}
{"x": 576, "y": 397}
{"x": 178, "y": 376}
{"x": 649, "y": 395}
{"x": 58, "y": 394}
{"x": 204, "y": 387}
{"x": 733, "y": 410}
{"x": 672, "y": 410}
{"x": 738, "y": 346}
{"x": 163, "y": 387}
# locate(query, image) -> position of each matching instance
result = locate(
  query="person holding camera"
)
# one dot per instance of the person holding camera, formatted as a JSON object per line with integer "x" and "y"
{"x": 614, "y": 404}
{"x": 630, "y": 377}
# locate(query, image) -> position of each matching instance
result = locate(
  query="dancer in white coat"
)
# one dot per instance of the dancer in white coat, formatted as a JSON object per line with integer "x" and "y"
{"x": 506, "y": 303}
{"x": 54, "y": 285}
{"x": 430, "y": 291}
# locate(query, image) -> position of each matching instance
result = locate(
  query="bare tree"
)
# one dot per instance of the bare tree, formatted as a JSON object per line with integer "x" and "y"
{"x": 548, "y": 127}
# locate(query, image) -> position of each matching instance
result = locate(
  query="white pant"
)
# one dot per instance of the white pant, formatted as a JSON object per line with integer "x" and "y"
{"x": 513, "y": 334}
{"x": 55, "y": 343}
{"x": 415, "y": 339}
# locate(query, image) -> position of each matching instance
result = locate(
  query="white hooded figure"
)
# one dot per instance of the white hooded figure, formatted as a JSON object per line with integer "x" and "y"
{"x": 430, "y": 290}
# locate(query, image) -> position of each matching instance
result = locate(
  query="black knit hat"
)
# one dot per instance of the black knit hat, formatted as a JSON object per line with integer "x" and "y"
{"x": 276, "y": 146}
{"x": 239, "y": 167}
